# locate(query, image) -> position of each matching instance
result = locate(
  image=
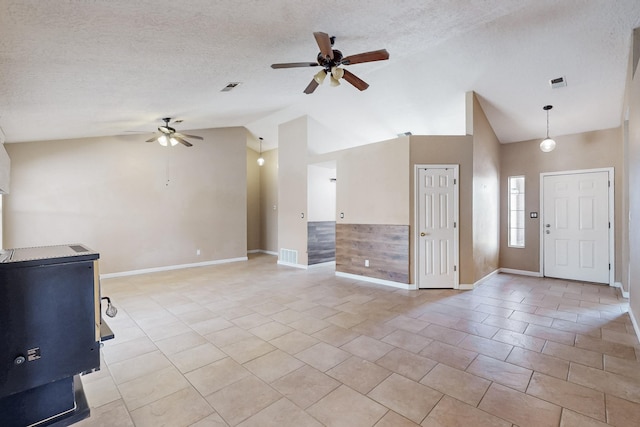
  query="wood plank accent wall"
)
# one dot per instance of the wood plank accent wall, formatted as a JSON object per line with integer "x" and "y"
{"x": 385, "y": 246}
{"x": 321, "y": 241}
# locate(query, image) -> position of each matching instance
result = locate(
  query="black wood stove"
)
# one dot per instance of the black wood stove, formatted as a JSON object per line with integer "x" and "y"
{"x": 50, "y": 332}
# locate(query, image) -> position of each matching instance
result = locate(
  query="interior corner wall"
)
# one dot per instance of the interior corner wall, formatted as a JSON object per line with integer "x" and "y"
{"x": 269, "y": 202}
{"x": 633, "y": 97}
{"x": 253, "y": 201}
{"x": 486, "y": 195}
{"x": 589, "y": 150}
{"x": 448, "y": 150}
{"x": 139, "y": 205}
{"x": 292, "y": 189}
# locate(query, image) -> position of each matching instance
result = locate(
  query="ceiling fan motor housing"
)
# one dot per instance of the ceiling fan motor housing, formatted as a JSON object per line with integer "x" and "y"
{"x": 329, "y": 63}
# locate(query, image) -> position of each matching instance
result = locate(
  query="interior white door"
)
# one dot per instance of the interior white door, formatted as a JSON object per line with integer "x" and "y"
{"x": 437, "y": 221}
{"x": 576, "y": 226}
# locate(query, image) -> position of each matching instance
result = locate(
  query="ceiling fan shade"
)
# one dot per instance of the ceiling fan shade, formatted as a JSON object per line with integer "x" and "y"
{"x": 331, "y": 59}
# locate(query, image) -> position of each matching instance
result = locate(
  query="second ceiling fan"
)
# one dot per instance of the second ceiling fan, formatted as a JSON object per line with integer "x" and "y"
{"x": 331, "y": 59}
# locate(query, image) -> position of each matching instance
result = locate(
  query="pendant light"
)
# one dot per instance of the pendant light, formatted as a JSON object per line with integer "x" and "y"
{"x": 260, "y": 159}
{"x": 547, "y": 144}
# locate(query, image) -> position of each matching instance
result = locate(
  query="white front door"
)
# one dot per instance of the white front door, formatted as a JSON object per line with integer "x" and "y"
{"x": 576, "y": 225}
{"x": 437, "y": 222}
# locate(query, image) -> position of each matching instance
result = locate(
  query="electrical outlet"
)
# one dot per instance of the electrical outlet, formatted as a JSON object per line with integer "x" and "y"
{"x": 366, "y": 263}
{"x": 198, "y": 252}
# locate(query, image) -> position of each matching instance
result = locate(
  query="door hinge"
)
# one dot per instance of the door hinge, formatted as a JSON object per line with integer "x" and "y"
{"x": 455, "y": 224}
{"x": 609, "y": 266}
{"x": 608, "y": 183}
{"x": 455, "y": 181}
{"x": 609, "y": 224}
{"x": 455, "y": 268}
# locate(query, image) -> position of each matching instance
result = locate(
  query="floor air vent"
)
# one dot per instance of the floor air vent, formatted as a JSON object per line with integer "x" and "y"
{"x": 289, "y": 256}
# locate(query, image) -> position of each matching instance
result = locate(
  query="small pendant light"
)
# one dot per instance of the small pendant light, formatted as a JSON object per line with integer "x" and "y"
{"x": 260, "y": 159}
{"x": 547, "y": 144}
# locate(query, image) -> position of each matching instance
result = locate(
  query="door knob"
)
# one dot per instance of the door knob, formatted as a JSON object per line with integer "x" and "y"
{"x": 547, "y": 225}
{"x": 423, "y": 234}
{"x": 548, "y": 232}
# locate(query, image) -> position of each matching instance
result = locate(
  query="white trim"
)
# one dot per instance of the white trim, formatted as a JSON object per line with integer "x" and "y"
{"x": 290, "y": 264}
{"x": 171, "y": 267}
{"x": 262, "y": 251}
{"x": 625, "y": 294}
{"x": 487, "y": 277}
{"x": 323, "y": 264}
{"x": 466, "y": 287}
{"x": 410, "y": 287}
{"x": 456, "y": 214}
{"x": 634, "y": 321}
{"x": 612, "y": 189}
{"x": 521, "y": 272}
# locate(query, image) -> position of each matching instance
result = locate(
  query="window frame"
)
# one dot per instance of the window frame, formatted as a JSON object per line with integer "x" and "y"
{"x": 511, "y": 211}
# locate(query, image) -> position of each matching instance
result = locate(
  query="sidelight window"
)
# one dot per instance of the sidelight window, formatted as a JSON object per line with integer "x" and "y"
{"x": 516, "y": 211}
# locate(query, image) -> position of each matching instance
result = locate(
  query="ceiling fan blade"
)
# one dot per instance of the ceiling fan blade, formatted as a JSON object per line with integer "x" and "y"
{"x": 295, "y": 65}
{"x": 311, "y": 87}
{"x": 324, "y": 43}
{"x": 152, "y": 139}
{"x": 182, "y": 141}
{"x": 184, "y": 135}
{"x": 376, "y": 55}
{"x": 355, "y": 80}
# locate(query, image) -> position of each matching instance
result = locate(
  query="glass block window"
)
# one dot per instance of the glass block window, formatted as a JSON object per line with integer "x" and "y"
{"x": 516, "y": 211}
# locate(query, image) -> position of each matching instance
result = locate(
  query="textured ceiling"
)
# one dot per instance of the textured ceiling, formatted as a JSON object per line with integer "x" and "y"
{"x": 81, "y": 68}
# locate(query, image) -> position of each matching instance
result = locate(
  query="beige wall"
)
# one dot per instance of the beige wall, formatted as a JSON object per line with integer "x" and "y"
{"x": 589, "y": 150}
{"x": 139, "y": 204}
{"x": 486, "y": 195}
{"x": 633, "y": 103}
{"x": 373, "y": 183}
{"x": 292, "y": 187}
{"x": 253, "y": 201}
{"x": 269, "y": 202}
{"x": 448, "y": 150}
{"x": 322, "y": 193}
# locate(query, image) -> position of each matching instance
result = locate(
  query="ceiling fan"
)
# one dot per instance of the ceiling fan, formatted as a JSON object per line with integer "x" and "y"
{"x": 331, "y": 59}
{"x": 169, "y": 136}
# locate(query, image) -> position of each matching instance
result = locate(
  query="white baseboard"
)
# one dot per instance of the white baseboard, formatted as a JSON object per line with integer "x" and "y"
{"x": 466, "y": 287}
{"x": 410, "y": 287}
{"x": 261, "y": 251}
{"x": 625, "y": 294}
{"x": 520, "y": 272}
{"x": 170, "y": 267}
{"x": 323, "y": 264}
{"x": 634, "y": 321}
{"x": 290, "y": 264}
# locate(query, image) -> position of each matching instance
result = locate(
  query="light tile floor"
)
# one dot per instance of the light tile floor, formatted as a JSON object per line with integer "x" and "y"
{"x": 257, "y": 344}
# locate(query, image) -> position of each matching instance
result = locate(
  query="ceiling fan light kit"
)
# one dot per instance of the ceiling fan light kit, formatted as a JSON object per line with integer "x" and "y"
{"x": 547, "y": 145}
{"x": 331, "y": 59}
{"x": 169, "y": 137}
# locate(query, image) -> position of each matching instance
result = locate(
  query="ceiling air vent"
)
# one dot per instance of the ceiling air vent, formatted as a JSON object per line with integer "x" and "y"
{"x": 558, "y": 82}
{"x": 230, "y": 86}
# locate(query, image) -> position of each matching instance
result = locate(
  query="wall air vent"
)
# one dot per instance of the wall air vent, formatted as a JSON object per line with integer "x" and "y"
{"x": 558, "y": 82}
{"x": 230, "y": 86}
{"x": 288, "y": 256}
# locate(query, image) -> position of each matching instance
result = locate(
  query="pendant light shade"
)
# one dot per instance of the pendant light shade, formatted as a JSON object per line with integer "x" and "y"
{"x": 260, "y": 159}
{"x": 547, "y": 144}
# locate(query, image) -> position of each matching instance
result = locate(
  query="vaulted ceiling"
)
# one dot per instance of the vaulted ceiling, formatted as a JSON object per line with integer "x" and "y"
{"x": 82, "y": 68}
